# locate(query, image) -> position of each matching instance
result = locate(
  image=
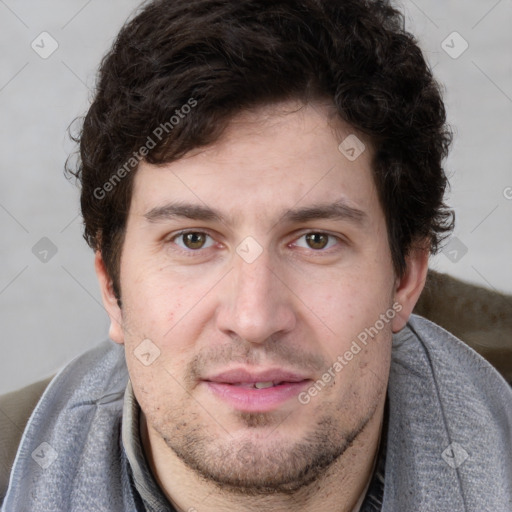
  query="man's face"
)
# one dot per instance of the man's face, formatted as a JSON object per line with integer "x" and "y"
{"x": 264, "y": 293}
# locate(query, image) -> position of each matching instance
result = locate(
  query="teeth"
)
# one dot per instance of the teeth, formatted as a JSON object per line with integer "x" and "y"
{"x": 263, "y": 385}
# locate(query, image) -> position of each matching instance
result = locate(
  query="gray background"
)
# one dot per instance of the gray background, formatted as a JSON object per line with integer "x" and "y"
{"x": 50, "y": 311}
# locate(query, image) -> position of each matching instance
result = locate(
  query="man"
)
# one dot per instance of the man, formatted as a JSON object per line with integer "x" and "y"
{"x": 262, "y": 184}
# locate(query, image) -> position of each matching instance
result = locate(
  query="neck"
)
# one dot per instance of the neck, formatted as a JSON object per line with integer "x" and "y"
{"x": 338, "y": 490}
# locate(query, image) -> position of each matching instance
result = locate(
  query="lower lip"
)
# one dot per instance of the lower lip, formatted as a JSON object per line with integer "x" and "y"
{"x": 257, "y": 400}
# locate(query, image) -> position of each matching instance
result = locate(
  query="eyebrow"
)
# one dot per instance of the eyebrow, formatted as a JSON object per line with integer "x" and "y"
{"x": 339, "y": 210}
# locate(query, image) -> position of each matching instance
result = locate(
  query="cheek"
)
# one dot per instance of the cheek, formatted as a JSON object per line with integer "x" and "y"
{"x": 153, "y": 303}
{"x": 364, "y": 374}
{"x": 348, "y": 306}
{"x": 356, "y": 317}
{"x": 154, "y": 386}
{"x": 144, "y": 382}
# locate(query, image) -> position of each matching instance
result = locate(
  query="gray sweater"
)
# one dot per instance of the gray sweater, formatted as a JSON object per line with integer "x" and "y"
{"x": 449, "y": 444}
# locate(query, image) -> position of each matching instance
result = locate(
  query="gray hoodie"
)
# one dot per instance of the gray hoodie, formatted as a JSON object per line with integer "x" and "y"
{"x": 449, "y": 443}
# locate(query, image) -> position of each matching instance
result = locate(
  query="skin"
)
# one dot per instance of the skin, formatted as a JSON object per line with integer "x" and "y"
{"x": 299, "y": 305}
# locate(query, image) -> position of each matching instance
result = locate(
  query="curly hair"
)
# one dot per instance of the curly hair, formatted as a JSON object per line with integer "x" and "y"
{"x": 226, "y": 56}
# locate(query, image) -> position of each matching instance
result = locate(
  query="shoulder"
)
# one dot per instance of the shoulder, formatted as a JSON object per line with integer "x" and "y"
{"x": 459, "y": 372}
{"x": 15, "y": 410}
{"x": 96, "y": 377}
{"x": 450, "y": 424}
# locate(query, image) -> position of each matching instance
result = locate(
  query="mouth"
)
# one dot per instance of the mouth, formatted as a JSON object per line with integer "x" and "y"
{"x": 257, "y": 385}
{"x": 262, "y": 391}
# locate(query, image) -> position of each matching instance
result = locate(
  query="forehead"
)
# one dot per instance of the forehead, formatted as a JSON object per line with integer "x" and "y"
{"x": 267, "y": 161}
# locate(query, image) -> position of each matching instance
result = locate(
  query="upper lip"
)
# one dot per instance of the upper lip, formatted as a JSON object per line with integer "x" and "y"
{"x": 240, "y": 375}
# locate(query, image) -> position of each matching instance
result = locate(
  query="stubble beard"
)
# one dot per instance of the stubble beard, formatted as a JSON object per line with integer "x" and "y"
{"x": 254, "y": 468}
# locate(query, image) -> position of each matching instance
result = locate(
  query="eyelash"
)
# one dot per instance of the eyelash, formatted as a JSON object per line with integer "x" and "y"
{"x": 195, "y": 252}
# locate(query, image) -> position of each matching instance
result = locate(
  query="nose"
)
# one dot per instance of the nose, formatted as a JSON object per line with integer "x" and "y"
{"x": 256, "y": 304}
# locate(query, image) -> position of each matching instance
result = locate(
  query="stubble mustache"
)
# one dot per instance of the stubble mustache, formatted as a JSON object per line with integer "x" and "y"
{"x": 269, "y": 354}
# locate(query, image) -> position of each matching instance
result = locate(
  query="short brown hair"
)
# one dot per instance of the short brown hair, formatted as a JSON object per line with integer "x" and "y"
{"x": 226, "y": 56}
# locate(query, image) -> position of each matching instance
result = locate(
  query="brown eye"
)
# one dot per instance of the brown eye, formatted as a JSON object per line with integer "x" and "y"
{"x": 317, "y": 240}
{"x": 193, "y": 240}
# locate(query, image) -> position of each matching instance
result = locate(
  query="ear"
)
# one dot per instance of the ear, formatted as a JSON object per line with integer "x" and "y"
{"x": 109, "y": 300}
{"x": 408, "y": 288}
